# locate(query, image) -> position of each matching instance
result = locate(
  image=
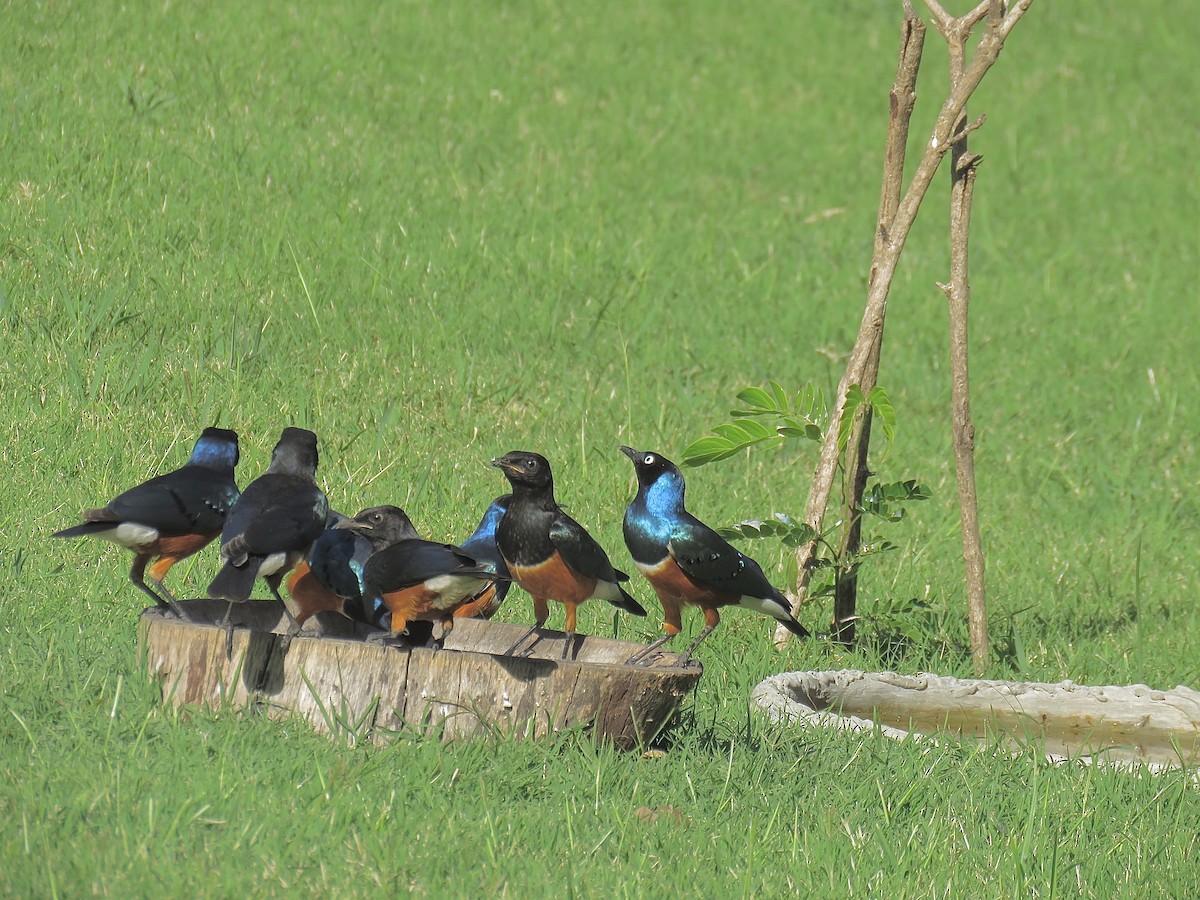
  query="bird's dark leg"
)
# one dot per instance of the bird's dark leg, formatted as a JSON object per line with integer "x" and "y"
{"x": 293, "y": 629}
{"x": 273, "y": 583}
{"x": 671, "y": 625}
{"x": 645, "y": 653}
{"x": 172, "y": 603}
{"x": 169, "y": 597}
{"x": 447, "y": 627}
{"x": 137, "y": 574}
{"x": 569, "y": 637}
{"x": 391, "y": 633}
{"x": 158, "y": 574}
{"x": 705, "y": 632}
{"x": 511, "y": 651}
{"x": 568, "y": 644}
{"x": 541, "y": 612}
{"x": 227, "y": 624}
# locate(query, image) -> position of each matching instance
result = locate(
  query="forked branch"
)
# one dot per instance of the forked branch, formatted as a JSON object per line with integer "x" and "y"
{"x": 950, "y": 130}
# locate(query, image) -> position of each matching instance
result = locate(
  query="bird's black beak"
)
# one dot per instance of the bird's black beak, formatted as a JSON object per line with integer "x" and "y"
{"x": 351, "y": 525}
{"x": 505, "y": 464}
{"x": 634, "y": 455}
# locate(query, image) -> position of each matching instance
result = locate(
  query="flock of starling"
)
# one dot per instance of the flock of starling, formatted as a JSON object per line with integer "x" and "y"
{"x": 376, "y": 569}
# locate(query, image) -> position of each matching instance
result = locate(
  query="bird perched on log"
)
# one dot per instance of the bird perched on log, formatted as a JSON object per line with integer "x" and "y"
{"x": 686, "y": 562}
{"x": 331, "y": 575}
{"x": 272, "y": 525}
{"x": 481, "y": 547}
{"x": 416, "y": 580}
{"x": 171, "y": 516}
{"x": 548, "y": 553}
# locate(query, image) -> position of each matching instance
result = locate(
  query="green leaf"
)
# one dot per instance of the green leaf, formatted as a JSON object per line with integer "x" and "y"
{"x": 747, "y": 529}
{"x": 758, "y": 431}
{"x": 779, "y": 395}
{"x": 885, "y": 413}
{"x": 811, "y": 404}
{"x": 780, "y": 526}
{"x": 803, "y": 533}
{"x": 745, "y": 433}
{"x": 854, "y": 400}
{"x": 824, "y": 591}
{"x": 793, "y": 427}
{"x": 706, "y": 450}
{"x": 757, "y": 399}
{"x": 885, "y": 499}
{"x": 734, "y": 434}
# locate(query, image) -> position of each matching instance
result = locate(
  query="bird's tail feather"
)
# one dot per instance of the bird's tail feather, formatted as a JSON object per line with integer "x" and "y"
{"x": 794, "y": 627}
{"x": 777, "y": 607}
{"x": 627, "y": 603}
{"x": 85, "y": 529}
{"x": 782, "y": 613}
{"x": 234, "y": 583}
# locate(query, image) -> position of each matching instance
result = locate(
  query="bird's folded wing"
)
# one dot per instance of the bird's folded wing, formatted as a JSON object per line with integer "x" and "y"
{"x": 182, "y": 504}
{"x": 581, "y": 552}
{"x": 706, "y": 556}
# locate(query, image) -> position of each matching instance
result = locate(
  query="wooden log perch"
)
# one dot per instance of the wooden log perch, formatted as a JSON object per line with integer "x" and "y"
{"x": 359, "y": 690}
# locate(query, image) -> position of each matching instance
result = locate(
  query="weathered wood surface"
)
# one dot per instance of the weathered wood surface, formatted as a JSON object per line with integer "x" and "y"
{"x": 343, "y": 684}
{"x": 1126, "y": 724}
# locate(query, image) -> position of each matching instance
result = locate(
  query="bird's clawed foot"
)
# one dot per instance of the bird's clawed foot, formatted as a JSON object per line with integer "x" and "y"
{"x": 512, "y": 651}
{"x": 569, "y": 650}
{"x": 163, "y": 600}
{"x": 293, "y": 625}
{"x": 172, "y": 606}
{"x": 644, "y": 656}
{"x": 167, "y": 598}
{"x": 388, "y": 639}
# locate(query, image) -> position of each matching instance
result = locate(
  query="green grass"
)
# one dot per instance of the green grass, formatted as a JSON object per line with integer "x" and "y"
{"x": 437, "y": 232}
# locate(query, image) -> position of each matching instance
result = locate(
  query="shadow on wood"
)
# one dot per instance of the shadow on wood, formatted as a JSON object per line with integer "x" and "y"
{"x": 356, "y": 689}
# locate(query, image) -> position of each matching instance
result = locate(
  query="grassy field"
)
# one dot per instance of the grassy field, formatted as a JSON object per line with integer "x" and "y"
{"x": 437, "y": 232}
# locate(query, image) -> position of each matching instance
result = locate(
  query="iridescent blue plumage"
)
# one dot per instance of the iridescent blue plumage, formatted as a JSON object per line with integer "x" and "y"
{"x": 216, "y": 448}
{"x": 481, "y": 546}
{"x": 652, "y": 517}
{"x": 331, "y": 576}
{"x": 685, "y": 561}
{"x": 337, "y": 558}
{"x": 417, "y": 581}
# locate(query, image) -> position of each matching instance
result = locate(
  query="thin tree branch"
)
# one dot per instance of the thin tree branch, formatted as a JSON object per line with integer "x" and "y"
{"x": 890, "y": 239}
{"x": 901, "y": 100}
{"x": 961, "y": 135}
{"x": 958, "y": 295}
